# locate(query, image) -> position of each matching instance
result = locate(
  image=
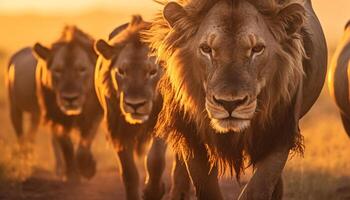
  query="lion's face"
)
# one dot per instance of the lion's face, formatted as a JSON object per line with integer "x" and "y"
{"x": 236, "y": 55}
{"x": 135, "y": 76}
{"x": 70, "y": 71}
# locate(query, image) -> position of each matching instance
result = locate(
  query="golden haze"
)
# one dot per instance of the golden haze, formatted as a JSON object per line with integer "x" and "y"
{"x": 24, "y": 22}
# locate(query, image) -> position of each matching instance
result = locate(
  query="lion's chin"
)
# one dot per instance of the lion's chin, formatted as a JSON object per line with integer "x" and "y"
{"x": 136, "y": 118}
{"x": 223, "y": 126}
{"x": 71, "y": 111}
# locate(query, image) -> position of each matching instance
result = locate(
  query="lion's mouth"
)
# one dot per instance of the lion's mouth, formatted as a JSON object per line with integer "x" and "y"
{"x": 71, "y": 110}
{"x": 230, "y": 124}
{"x": 136, "y": 118}
{"x": 235, "y": 118}
{"x": 136, "y": 113}
{"x": 236, "y": 121}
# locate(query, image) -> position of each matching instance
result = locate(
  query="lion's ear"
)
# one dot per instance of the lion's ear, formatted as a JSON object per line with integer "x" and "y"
{"x": 135, "y": 20}
{"x": 347, "y": 25}
{"x": 41, "y": 51}
{"x": 173, "y": 12}
{"x": 104, "y": 49}
{"x": 292, "y": 18}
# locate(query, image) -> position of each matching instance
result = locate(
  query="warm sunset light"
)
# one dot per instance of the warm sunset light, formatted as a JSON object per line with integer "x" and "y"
{"x": 53, "y": 6}
{"x": 108, "y": 99}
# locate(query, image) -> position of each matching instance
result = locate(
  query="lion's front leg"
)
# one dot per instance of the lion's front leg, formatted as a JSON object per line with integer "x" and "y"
{"x": 203, "y": 176}
{"x": 85, "y": 159}
{"x": 63, "y": 144}
{"x": 129, "y": 174}
{"x": 266, "y": 183}
{"x": 58, "y": 154}
{"x": 181, "y": 184}
{"x": 155, "y": 163}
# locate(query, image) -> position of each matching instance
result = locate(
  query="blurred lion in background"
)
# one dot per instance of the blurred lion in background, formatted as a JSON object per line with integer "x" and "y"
{"x": 55, "y": 85}
{"x": 338, "y": 78}
{"x": 126, "y": 82}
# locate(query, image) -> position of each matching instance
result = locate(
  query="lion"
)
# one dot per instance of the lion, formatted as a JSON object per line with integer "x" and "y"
{"x": 126, "y": 79}
{"x": 338, "y": 80}
{"x": 239, "y": 74}
{"x": 55, "y": 85}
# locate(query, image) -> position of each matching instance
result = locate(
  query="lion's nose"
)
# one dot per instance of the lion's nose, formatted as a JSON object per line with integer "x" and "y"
{"x": 70, "y": 98}
{"x": 230, "y": 104}
{"x": 135, "y": 103}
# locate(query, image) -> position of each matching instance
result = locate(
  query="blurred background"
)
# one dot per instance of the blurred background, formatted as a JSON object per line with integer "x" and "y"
{"x": 323, "y": 172}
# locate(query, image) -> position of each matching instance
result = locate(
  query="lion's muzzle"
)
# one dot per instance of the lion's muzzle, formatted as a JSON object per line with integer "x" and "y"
{"x": 232, "y": 113}
{"x": 136, "y": 109}
{"x": 230, "y": 104}
{"x": 71, "y": 103}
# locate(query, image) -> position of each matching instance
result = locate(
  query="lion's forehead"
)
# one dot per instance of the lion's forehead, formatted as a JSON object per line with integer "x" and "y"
{"x": 71, "y": 57}
{"x": 135, "y": 58}
{"x": 229, "y": 21}
{"x": 134, "y": 52}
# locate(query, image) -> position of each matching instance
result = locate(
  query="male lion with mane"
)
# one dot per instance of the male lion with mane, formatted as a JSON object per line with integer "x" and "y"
{"x": 239, "y": 74}
{"x": 126, "y": 79}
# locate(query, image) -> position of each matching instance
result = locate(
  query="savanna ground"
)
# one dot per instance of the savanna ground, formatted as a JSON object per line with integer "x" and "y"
{"x": 323, "y": 173}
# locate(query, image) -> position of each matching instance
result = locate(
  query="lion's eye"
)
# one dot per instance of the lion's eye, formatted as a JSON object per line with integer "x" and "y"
{"x": 206, "y": 49}
{"x": 257, "y": 50}
{"x": 153, "y": 73}
{"x": 121, "y": 72}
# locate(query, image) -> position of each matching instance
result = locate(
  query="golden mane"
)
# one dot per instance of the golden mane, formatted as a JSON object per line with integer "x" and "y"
{"x": 182, "y": 87}
{"x": 166, "y": 45}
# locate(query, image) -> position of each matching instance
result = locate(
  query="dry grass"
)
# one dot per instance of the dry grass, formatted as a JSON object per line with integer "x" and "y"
{"x": 326, "y": 163}
{"x": 317, "y": 175}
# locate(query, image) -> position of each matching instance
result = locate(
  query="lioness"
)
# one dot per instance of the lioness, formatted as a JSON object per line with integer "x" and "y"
{"x": 239, "y": 76}
{"x": 338, "y": 78}
{"x": 57, "y": 82}
{"x": 126, "y": 79}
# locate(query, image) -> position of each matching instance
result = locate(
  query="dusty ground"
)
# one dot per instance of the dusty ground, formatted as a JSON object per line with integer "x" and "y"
{"x": 323, "y": 173}
{"x": 105, "y": 186}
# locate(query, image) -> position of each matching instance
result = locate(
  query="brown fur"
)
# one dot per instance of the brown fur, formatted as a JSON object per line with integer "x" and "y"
{"x": 46, "y": 97}
{"x": 109, "y": 97}
{"x": 286, "y": 96}
{"x": 128, "y": 136}
{"x": 338, "y": 78}
{"x": 87, "y": 121}
{"x": 20, "y": 79}
{"x": 74, "y": 37}
{"x": 184, "y": 94}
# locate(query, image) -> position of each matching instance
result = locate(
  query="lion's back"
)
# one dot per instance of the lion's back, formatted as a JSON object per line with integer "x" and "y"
{"x": 22, "y": 81}
{"x": 338, "y": 77}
